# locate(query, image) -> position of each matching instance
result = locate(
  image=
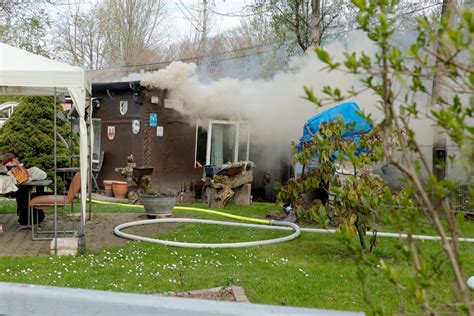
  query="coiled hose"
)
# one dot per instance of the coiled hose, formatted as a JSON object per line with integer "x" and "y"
{"x": 256, "y": 223}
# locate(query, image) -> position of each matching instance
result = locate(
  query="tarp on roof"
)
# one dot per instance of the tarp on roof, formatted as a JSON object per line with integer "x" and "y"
{"x": 350, "y": 112}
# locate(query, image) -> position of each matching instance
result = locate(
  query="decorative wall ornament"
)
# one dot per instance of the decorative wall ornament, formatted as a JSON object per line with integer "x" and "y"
{"x": 159, "y": 131}
{"x": 153, "y": 119}
{"x": 110, "y": 132}
{"x": 123, "y": 107}
{"x": 136, "y": 126}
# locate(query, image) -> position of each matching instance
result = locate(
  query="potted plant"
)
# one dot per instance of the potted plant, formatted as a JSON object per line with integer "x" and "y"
{"x": 158, "y": 203}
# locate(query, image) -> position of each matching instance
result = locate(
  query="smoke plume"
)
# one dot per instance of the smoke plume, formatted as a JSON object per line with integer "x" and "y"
{"x": 275, "y": 109}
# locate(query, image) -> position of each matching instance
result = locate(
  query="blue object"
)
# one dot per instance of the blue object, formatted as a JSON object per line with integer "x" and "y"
{"x": 350, "y": 112}
{"x": 153, "y": 119}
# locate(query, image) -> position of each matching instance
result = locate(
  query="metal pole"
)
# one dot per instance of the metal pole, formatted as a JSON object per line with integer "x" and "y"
{"x": 81, "y": 235}
{"x": 90, "y": 149}
{"x": 54, "y": 180}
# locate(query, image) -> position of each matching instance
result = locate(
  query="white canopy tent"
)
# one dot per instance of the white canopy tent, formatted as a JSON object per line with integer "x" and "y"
{"x": 23, "y": 73}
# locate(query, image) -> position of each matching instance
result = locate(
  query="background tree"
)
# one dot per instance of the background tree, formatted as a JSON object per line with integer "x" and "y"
{"x": 80, "y": 36}
{"x": 303, "y": 23}
{"x": 24, "y": 26}
{"x": 132, "y": 29}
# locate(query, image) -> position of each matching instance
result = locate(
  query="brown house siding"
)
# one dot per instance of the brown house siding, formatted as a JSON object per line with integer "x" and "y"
{"x": 171, "y": 156}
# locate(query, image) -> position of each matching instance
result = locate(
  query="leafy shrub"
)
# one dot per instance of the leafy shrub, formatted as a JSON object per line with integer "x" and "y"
{"x": 356, "y": 196}
{"x": 29, "y": 135}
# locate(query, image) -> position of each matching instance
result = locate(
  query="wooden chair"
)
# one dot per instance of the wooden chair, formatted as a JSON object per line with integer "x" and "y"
{"x": 96, "y": 166}
{"x": 47, "y": 202}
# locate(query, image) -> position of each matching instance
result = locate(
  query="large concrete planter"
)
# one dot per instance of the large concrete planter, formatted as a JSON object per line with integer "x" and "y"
{"x": 158, "y": 205}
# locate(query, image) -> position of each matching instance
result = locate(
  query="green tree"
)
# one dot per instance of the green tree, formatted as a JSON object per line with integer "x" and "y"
{"x": 29, "y": 134}
{"x": 398, "y": 78}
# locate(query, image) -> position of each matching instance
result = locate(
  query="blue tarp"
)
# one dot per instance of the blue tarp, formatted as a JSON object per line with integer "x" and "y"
{"x": 350, "y": 112}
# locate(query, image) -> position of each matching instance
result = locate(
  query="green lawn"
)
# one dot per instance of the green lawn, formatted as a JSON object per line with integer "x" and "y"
{"x": 314, "y": 270}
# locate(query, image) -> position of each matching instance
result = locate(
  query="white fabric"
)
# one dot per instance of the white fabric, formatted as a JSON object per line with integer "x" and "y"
{"x": 24, "y": 73}
{"x": 35, "y": 173}
{"x": 7, "y": 184}
{"x": 79, "y": 99}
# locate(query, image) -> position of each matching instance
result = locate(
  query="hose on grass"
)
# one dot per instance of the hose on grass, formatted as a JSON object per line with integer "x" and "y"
{"x": 253, "y": 223}
{"x": 271, "y": 225}
{"x": 262, "y": 224}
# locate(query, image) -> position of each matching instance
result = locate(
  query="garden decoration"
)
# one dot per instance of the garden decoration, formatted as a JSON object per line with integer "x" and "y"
{"x": 223, "y": 182}
{"x": 137, "y": 178}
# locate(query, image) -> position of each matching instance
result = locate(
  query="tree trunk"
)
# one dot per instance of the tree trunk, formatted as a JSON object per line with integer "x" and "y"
{"x": 316, "y": 23}
{"x": 204, "y": 28}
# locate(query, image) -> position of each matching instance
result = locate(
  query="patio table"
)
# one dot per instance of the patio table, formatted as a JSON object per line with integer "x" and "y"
{"x": 23, "y": 196}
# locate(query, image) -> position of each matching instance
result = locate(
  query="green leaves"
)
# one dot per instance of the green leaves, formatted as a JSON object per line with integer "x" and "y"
{"x": 351, "y": 62}
{"x": 29, "y": 134}
{"x": 360, "y": 4}
{"x": 401, "y": 80}
{"x": 310, "y": 96}
{"x": 323, "y": 55}
{"x": 355, "y": 197}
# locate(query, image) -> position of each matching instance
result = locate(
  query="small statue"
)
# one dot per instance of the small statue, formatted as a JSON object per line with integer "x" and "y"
{"x": 136, "y": 183}
{"x": 127, "y": 173}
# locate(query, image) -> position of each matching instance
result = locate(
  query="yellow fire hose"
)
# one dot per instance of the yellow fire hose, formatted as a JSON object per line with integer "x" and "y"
{"x": 256, "y": 223}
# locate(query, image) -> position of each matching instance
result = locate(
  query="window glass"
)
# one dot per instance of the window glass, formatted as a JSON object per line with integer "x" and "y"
{"x": 96, "y": 123}
{"x": 223, "y": 143}
{"x": 201, "y": 139}
{"x": 243, "y": 141}
{"x": 228, "y": 142}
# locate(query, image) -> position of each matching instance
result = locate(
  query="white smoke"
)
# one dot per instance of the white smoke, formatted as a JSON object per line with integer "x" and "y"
{"x": 275, "y": 109}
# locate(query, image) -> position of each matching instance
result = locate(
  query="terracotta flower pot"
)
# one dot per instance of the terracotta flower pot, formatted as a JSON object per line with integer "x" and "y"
{"x": 108, "y": 187}
{"x": 120, "y": 189}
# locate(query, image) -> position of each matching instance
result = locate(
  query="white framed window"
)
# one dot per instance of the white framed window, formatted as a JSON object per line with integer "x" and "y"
{"x": 6, "y": 111}
{"x": 97, "y": 125}
{"x": 221, "y": 141}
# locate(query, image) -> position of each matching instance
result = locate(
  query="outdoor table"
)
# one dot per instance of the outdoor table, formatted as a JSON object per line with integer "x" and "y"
{"x": 23, "y": 196}
{"x": 68, "y": 169}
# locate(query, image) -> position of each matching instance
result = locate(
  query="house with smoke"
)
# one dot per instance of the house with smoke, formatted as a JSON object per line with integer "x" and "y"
{"x": 133, "y": 117}
{"x": 176, "y": 122}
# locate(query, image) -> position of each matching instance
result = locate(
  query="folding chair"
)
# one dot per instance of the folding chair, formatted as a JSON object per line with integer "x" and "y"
{"x": 47, "y": 202}
{"x": 96, "y": 166}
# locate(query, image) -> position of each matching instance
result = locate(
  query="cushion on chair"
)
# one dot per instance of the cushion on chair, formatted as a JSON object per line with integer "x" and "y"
{"x": 47, "y": 201}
